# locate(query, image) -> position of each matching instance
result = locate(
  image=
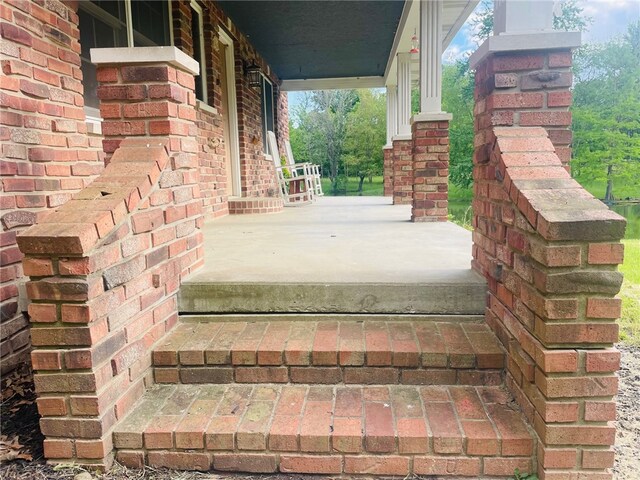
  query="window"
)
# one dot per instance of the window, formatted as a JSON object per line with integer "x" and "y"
{"x": 197, "y": 36}
{"x": 267, "y": 112}
{"x": 118, "y": 23}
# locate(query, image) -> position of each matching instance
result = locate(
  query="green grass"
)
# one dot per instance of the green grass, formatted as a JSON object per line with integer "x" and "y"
{"x": 621, "y": 190}
{"x": 630, "y": 293}
{"x": 368, "y": 189}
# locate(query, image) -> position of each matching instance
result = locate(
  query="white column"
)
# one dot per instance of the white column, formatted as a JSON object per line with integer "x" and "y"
{"x": 524, "y": 16}
{"x": 430, "y": 56}
{"x": 392, "y": 113}
{"x": 404, "y": 95}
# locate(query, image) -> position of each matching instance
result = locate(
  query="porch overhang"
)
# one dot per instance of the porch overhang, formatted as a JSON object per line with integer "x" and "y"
{"x": 313, "y": 45}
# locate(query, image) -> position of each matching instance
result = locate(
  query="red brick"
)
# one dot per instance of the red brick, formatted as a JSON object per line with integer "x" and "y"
{"x": 597, "y": 459}
{"x": 318, "y": 465}
{"x": 245, "y": 462}
{"x": 595, "y": 411}
{"x": 605, "y": 253}
{"x": 374, "y": 465}
{"x": 609, "y": 308}
{"x": 459, "y": 466}
{"x": 603, "y": 360}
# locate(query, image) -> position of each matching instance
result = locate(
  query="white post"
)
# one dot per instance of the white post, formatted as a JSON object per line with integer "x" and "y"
{"x": 392, "y": 113}
{"x": 404, "y": 95}
{"x": 430, "y": 56}
{"x": 512, "y": 17}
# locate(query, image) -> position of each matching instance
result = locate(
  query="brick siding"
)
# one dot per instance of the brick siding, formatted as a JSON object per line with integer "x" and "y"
{"x": 549, "y": 251}
{"x": 46, "y": 153}
{"x": 402, "y": 172}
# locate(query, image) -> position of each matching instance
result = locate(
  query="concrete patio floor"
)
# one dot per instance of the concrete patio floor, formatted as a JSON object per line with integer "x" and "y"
{"x": 336, "y": 240}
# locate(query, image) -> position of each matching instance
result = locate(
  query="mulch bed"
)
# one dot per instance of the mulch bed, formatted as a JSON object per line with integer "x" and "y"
{"x": 21, "y": 456}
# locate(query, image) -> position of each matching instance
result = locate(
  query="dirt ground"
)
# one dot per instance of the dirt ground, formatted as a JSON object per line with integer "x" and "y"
{"x": 21, "y": 440}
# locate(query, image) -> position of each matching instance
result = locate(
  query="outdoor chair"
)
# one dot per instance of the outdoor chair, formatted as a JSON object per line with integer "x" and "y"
{"x": 313, "y": 168}
{"x": 295, "y": 182}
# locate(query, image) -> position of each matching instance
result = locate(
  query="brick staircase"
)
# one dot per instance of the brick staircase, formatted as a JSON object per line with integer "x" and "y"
{"x": 367, "y": 394}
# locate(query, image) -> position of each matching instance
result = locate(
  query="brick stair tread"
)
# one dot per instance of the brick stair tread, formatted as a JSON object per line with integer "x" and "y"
{"x": 393, "y": 430}
{"x": 348, "y": 351}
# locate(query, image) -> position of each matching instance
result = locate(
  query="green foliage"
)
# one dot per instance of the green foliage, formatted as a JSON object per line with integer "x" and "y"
{"x": 517, "y": 475}
{"x": 366, "y": 134}
{"x": 342, "y": 130}
{"x": 319, "y": 129}
{"x": 570, "y": 18}
{"x": 605, "y": 113}
{"x": 457, "y": 99}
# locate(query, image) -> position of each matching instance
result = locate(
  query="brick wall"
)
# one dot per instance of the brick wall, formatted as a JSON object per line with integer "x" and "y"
{"x": 549, "y": 251}
{"x": 46, "y": 155}
{"x": 256, "y": 172}
{"x": 105, "y": 267}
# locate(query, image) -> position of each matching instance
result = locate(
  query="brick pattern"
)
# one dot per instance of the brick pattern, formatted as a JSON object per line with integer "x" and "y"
{"x": 46, "y": 155}
{"x": 402, "y": 172}
{"x": 387, "y": 171}
{"x": 411, "y": 353}
{"x": 105, "y": 268}
{"x": 255, "y": 205}
{"x": 430, "y": 171}
{"x": 528, "y": 89}
{"x": 549, "y": 251}
{"x": 444, "y": 431}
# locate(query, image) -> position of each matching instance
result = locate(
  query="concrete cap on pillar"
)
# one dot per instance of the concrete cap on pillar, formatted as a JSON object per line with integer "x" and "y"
{"x": 141, "y": 55}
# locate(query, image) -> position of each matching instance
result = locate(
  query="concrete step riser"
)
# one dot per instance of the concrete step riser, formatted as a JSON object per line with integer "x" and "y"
{"x": 437, "y": 299}
{"x": 326, "y": 317}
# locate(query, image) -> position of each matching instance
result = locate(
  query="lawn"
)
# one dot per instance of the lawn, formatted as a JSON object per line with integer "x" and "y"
{"x": 630, "y": 293}
{"x": 351, "y": 187}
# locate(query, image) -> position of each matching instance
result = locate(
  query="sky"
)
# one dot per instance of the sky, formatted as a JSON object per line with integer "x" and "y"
{"x": 610, "y": 19}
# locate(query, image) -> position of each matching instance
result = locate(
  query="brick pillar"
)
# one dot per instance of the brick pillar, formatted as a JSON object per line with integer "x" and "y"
{"x": 402, "y": 171}
{"x": 528, "y": 89}
{"x": 46, "y": 155}
{"x": 106, "y": 267}
{"x": 430, "y": 169}
{"x": 549, "y": 251}
{"x": 387, "y": 171}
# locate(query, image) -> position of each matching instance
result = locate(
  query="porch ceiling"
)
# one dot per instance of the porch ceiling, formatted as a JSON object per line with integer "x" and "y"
{"x": 320, "y": 39}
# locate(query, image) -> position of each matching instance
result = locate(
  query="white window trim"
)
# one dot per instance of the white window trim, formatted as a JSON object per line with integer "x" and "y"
{"x": 203, "y": 56}
{"x": 265, "y": 145}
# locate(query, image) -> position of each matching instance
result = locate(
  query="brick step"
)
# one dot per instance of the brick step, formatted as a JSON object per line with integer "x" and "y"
{"x": 331, "y": 352}
{"x": 390, "y": 430}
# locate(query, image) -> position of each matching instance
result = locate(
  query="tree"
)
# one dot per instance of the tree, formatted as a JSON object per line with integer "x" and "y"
{"x": 366, "y": 135}
{"x": 606, "y": 112}
{"x": 457, "y": 99}
{"x": 569, "y": 17}
{"x": 321, "y": 121}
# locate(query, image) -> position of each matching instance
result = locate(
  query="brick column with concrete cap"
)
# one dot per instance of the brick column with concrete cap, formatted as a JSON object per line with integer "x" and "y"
{"x": 401, "y": 141}
{"x": 549, "y": 252}
{"x": 430, "y": 127}
{"x": 105, "y": 268}
{"x": 392, "y": 129}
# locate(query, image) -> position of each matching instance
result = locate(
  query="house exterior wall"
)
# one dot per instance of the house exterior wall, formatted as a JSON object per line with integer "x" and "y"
{"x": 48, "y": 154}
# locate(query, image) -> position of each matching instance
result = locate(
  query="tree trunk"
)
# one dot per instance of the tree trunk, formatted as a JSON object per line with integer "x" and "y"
{"x": 360, "y": 184}
{"x": 608, "y": 196}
